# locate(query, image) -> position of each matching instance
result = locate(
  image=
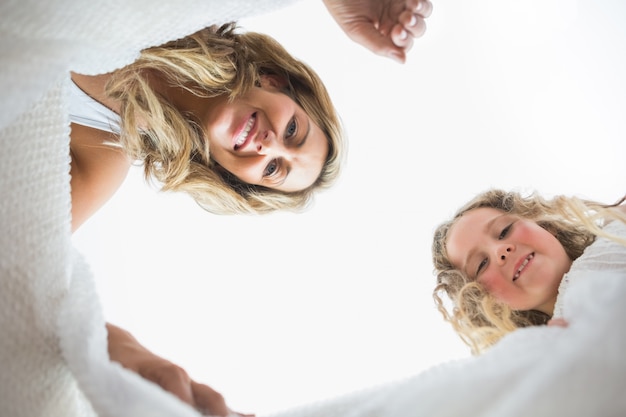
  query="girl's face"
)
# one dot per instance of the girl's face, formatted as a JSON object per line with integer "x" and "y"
{"x": 265, "y": 138}
{"x": 517, "y": 261}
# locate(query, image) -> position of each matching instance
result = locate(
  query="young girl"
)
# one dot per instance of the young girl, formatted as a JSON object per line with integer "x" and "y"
{"x": 503, "y": 259}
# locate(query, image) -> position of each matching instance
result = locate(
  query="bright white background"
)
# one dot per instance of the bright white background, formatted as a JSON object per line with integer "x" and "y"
{"x": 283, "y": 310}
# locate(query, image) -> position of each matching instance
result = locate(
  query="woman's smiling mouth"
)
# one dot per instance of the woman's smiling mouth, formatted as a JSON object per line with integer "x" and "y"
{"x": 242, "y": 136}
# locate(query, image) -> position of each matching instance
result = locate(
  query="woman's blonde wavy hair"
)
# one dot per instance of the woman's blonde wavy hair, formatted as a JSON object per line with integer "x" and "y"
{"x": 477, "y": 317}
{"x": 213, "y": 62}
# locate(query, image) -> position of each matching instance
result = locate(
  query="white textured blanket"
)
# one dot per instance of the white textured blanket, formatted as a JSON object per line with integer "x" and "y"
{"x": 539, "y": 371}
{"x": 52, "y": 337}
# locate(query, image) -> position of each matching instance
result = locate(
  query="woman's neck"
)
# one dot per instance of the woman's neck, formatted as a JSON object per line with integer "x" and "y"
{"x": 182, "y": 99}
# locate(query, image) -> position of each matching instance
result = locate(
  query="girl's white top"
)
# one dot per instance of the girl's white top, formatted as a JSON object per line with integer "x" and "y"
{"x": 603, "y": 255}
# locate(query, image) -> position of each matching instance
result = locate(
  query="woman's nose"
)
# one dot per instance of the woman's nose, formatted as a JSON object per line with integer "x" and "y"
{"x": 264, "y": 142}
{"x": 259, "y": 141}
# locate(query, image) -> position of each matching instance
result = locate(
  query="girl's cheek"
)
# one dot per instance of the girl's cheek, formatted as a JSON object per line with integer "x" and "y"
{"x": 487, "y": 282}
{"x": 493, "y": 285}
{"x": 523, "y": 232}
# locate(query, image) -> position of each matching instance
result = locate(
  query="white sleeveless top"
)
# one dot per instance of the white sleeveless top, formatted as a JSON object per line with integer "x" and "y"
{"x": 86, "y": 111}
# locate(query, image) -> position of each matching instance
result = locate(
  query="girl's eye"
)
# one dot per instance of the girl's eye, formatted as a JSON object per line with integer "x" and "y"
{"x": 292, "y": 129}
{"x": 505, "y": 231}
{"x": 481, "y": 266}
{"x": 271, "y": 168}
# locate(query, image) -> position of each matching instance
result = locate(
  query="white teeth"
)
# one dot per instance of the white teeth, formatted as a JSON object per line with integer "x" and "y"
{"x": 244, "y": 133}
{"x": 523, "y": 265}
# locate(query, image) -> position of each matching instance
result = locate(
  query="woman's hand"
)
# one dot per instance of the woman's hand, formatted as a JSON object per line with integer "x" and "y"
{"x": 126, "y": 350}
{"x": 386, "y": 27}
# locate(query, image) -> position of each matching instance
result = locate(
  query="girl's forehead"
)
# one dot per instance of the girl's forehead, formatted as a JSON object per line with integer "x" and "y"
{"x": 468, "y": 231}
{"x": 473, "y": 224}
{"x": 478, "y": 215}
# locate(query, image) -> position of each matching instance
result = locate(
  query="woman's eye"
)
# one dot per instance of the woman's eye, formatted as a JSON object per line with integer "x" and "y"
{"x": 292, "y": 128}
{"x": 271, "y": 168}
{"x": 505, "y": 231}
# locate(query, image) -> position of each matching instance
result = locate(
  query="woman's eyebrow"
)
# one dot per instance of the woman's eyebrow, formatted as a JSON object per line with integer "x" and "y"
{"x": 306, "y": 135}
{"x": 299, "y": 145}
{"x": 284, "y": 178}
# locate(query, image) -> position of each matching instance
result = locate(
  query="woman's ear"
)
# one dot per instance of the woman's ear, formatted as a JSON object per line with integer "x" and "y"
{"x": 273, "y": 81}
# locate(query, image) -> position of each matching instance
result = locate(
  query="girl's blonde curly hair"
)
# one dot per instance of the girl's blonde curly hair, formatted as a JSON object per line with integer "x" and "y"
{"x": 478, "y": 318}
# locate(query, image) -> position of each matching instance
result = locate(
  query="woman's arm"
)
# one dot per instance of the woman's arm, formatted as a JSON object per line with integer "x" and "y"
{"x": 126, "y": 350}
{"x": 98, "y": 169}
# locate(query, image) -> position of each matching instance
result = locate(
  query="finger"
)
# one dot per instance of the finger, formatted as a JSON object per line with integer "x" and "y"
{"x": 401, "y": 37}
{"x": 208, "y": 401}
{"x": 412, "y": 23}
{"x": 560, "y": 322}
{"x": 423, "y": 8}
{"x": 368, "y": 36}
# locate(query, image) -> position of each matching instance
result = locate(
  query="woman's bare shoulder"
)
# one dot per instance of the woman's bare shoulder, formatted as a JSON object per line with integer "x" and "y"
{"x": 98, "y": 168}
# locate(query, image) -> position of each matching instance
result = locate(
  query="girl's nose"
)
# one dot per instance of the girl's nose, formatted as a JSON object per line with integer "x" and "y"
{"x": 503, "y": 251}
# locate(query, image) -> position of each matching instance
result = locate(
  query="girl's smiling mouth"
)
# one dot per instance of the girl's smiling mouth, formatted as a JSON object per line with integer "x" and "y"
{"x": 523, "y": 265}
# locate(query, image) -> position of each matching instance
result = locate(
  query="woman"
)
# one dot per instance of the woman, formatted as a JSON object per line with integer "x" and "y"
{"x": 503, "y": 259}
{"x": 42, "y": 42}
{"x": 250, "y": 129}
{"x": 232, "y": 119}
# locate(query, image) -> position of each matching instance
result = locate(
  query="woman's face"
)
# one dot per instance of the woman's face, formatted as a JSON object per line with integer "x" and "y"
{"x": 517, "y": 261}
{"x": 265, "y": 138}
